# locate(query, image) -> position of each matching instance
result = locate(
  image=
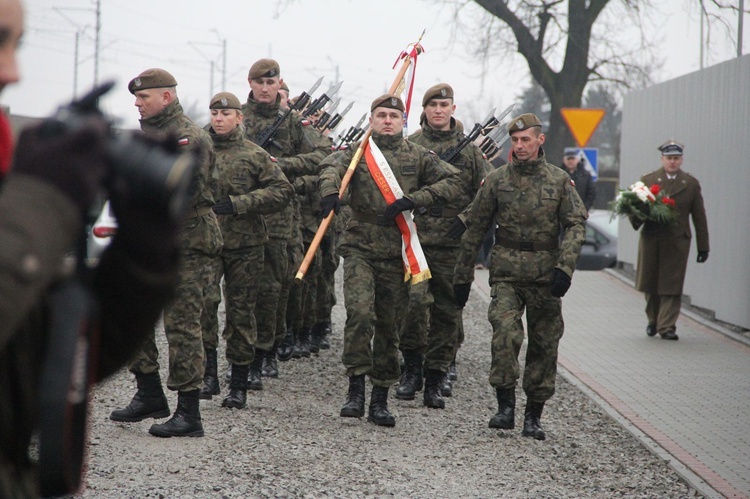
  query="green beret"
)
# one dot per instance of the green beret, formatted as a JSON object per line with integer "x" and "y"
{"x": 284, "y": 86}
{"x": 225, "y": 100}
{"x": 264, "y": 68}
{"x": 152, "y": 78}
{"x": 439, "y": 91}
{"x": 388, "y": 100}
{"x": 523, "y": 122}
{"x": 671, "y": 148}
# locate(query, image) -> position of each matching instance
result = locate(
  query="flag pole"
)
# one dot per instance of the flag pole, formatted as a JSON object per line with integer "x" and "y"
{"x": 323, "y": 227}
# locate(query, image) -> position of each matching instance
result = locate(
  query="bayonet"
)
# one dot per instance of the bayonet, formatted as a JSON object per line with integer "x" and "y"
{"x": 321, "y": 101}
{"x": 336, "y": 119}
{"x": 326, "y": 115}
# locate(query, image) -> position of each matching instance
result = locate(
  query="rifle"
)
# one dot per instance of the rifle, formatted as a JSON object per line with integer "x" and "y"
{"x": 321, "y": 101}
{"x": 268, "y": 135}
{"x": 326, "y": 115}
{"x": 490, "y": 123}
{"x": 336, "y": 119}
{"x": 323, "y": 227}
{"x": 348, "y": 137}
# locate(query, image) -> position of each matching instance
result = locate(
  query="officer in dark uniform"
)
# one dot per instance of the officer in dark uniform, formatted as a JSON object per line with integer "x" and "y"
{"x": 200, "y": 240}
{"x": 585, "y": 183}
{"x": 529, "y": 200}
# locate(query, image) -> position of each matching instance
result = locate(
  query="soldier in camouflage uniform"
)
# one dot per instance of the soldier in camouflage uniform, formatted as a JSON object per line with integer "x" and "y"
{"x": 431, "y": 331}
{"x": 161, "y": 114}
{"x": 298, "y": 151}
{"x": 530, "y": 200}
{"x": 249, "y": 185}
{"x": 375, "y": 291}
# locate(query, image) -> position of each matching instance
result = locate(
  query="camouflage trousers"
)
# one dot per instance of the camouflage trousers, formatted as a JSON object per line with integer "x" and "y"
{"x": 326, "y": 291}
{"x": 182, "y": 326}
{"x": 241, "y": 269}
{"x": 308, "y": 291}
{"x": 432, "y": 324}
{"x": 376, "y": 299}
{"x": 545, "y": 328}
{"x": 274, "y": 275}
{"x": 290, "y": 314}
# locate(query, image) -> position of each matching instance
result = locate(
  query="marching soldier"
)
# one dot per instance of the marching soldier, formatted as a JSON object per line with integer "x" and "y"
{"x": 529, "y": 200}
{"x": 161, "y": 114}
{"x": 376, "y": 293}
{"x": 249, "y": 185}
{"x": 431, "y": 332}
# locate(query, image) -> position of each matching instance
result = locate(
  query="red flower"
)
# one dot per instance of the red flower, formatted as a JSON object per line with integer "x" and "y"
{"x": 668, "y": 201}
{"x": 655, "y": 189}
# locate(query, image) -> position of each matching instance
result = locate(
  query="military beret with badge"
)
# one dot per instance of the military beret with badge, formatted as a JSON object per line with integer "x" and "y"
{"x": 522, "y": 122}
{"x": 264, "y": 68}
{"x": 388, "y": 100}
{"x": 152, "y": 78}
{"x": 439, "y": 91}
{"x": 225, "y": 100}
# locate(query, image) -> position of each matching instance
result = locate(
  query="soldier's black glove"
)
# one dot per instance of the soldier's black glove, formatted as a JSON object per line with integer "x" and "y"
{"x": 461, "y": 292}
{"x": 329, "y": 203}
{"x": 560, "y": 283}
{"x": 72, "y": 161}
{"x": 457, "y": 229}
{"x": 398, "y": 206}
{"x": 702, "y": 256}
{"x": 223, "y": 207}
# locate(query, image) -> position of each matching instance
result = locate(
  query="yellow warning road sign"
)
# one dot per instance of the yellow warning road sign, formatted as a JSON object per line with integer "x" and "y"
{"x": 582, "y": 122}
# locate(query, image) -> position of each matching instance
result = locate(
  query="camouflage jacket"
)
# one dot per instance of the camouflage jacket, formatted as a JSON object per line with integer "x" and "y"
{"x": 200, "y": 229}
{"x": 252, "y": 181}
{"x": 433, "y": 225}
{"x": 298, "y": 148}
{"x": 422, "y": 176}
{"x": 530, "y": 201}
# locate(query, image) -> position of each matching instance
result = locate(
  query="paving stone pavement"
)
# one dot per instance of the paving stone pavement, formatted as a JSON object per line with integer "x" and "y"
{"x": 687, "y": 400}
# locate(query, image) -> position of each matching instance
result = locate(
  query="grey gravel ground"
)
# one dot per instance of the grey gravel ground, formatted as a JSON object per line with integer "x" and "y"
{"x": 291, "y": 442}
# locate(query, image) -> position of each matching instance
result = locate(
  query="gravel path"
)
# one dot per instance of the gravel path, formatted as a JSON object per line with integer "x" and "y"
{"x": 291, "y": 442}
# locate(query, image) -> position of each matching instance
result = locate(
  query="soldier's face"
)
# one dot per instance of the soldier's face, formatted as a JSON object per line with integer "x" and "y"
{"x": 571, "y": 162}
{"x": 265, "y": 88}
{"x": 224, "y": 121}
{"x": 387, "y": 121}
{"x": 526, "y": 143}
{"x": 11, "y": 29}
{"x": 671, "y": 164}
{"x": 438, "y": 113}
{"x": 151, "y": 102}
{"x": 284, "y": 102}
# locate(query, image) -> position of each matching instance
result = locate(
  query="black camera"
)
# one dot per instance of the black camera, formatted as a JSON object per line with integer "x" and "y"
{"x": 157, "y": 171}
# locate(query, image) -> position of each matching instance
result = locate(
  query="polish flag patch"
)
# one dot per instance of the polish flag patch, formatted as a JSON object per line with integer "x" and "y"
{"x": 183, "y": 141}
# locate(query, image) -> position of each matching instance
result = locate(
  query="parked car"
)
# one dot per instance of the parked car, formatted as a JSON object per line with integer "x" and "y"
{"x": 100, "y": 235}
{"x": 599, "y": 251}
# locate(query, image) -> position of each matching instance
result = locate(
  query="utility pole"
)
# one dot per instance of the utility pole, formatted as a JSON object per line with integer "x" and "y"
{"x": 740, "y": 15}
{"x": 97, "y": 41}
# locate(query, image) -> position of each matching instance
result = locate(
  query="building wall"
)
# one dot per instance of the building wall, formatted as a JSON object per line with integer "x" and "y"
{"x": 708, "y": 111}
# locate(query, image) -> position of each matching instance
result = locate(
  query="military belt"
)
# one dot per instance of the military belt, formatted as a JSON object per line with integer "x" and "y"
{"x": 372, "y": 219}
{"x": 197, "y": 212}
{"x": 441, "y": 211}
{"x": 527, "y": 245}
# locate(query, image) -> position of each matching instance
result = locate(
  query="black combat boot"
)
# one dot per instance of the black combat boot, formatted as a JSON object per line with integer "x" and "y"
{"x": 323, "y": 331}
{"x": 378, "y": 412}
{"x": 452, "y": 371}
{"x": 285, "y": 348}
{"x": 355, "y": 398}
{"x": 506, "y": 409}
{"x": 270, "y": 365}
{"x": 301, "y": 343}
{"x": 148, "y": 402}
{"x": 210, "y": 378}
{"x": 411, "y": 377}
{"x": 432, "y": 396}
{"x": 237, "y": 396}
{"x": 315, "y": 338}
{"x": 446, "y": 386}
{"x": 186, "y": 421}
{"x": 254, "y": 381}
{"x": 532, "y": 426}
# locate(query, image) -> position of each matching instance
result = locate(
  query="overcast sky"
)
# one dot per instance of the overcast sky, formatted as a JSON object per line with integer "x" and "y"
{"x": 354, "y": 40}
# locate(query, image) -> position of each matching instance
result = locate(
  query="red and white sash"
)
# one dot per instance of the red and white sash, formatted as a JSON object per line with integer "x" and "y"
{"x": 415, "y": 263}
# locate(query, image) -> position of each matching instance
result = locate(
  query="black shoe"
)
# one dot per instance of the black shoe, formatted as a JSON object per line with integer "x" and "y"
{"x": 505, "y": 418}
{"x": 355, "y": 398}
{"x": 532, "y": 426}
{"x": 270, "y": 365}
{"x": 237, "y": 396}
{"x": 324, "y": 330}
{"x": 210, "y": 377}
{"x": 670, "y": 335}
{"x": 432, "y": 396}
{"x": 186, "y": 421}
{"x": 411, "y": 376}
{"x": 452, "y": 372}
{"x": 446, "y": 387}
{"x": 378, "y": 412}
{"x": 148, "y": 402}
{"x": 285, "y": 349}
{"x": 254, "y": 381}
{"x": 301, "y": 344}
{"x": 651, "y": 330}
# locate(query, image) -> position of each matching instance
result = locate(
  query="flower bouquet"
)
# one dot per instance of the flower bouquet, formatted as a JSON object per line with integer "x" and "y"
{"x": 645, "y": 204}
